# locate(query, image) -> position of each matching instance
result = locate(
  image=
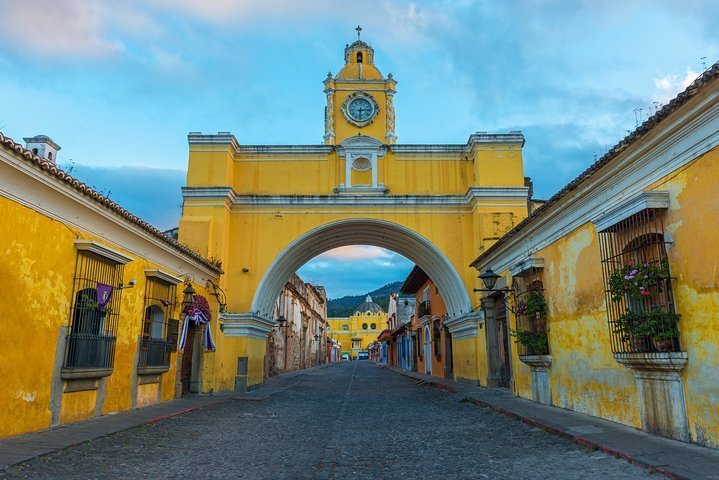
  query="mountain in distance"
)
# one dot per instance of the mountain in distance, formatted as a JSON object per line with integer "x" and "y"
{"x": 344, "y": 306}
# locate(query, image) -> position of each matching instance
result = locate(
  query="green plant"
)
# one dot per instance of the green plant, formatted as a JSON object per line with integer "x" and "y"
{"x": 535, "y": 342}
{"x": 655, "y": 324}
{"x": 533, "y": 305}
{"x": 87, "y": 303}
{"x": 636, "y": 280}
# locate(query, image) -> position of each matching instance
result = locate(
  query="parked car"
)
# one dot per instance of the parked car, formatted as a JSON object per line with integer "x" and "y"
{"x": 345, "y": 356}
{"x": 363, "y": 356}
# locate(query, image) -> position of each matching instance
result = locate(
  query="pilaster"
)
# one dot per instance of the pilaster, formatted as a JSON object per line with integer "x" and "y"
{"x": 661, "y": 391}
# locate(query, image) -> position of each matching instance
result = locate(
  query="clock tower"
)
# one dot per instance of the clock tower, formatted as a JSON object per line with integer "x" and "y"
{"x": 359, "y": 98}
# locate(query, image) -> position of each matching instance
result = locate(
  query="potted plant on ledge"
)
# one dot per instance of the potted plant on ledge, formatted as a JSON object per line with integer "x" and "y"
{"x": 535, "y": 343}
{"x": 646, "y": 325}
{"x": 638, "y": 328}
{"x": 531, "y": 329}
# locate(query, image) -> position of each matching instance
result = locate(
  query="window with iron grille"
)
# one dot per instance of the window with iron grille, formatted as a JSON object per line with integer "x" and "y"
{"x": 531, "y": 333}
{"x": 637, "y": 282}
{"x": 437, "y": 337}
{"x": 159, "y": 330}
{"x": 93, "y": 321}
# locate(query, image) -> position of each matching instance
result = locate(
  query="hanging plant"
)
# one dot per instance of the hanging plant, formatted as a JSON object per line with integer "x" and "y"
{"x": 637, "y": 280}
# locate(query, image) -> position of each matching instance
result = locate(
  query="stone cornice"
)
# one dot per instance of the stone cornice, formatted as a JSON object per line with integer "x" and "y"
{"x": 164, "y": 276}
{"x": 245, "y": 325}
{"x": 654, "y": 362}
{"x": 464, "y": 326}
{"x": 644, "y": 200}
{"x": 513, "y": 138}
{"x": 473, "y": 195}
{"x": 527, "y": 264}
{"x": 285, "y": 149}
{"x": 221, "y": 138}
{"x": 475, "y": 141}
{"x": 103, "y": 251}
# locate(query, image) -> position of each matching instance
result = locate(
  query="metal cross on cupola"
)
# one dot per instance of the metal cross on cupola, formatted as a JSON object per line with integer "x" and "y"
{"x": 359, "y": 29}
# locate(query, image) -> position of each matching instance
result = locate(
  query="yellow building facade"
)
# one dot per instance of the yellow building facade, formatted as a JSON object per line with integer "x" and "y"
{"x": 625, "y": 259}
{"x": 358, "y": 331}
{"x": 265, "y": 210}
{"x": 93, "y": 300}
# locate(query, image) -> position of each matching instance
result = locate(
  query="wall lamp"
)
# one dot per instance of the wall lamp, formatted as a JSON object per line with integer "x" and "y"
{"x": 218, "y": 293}
{"x": 281, "y": 323}
{"x": 489, "y": 279}
{"x": 130, "y": 284}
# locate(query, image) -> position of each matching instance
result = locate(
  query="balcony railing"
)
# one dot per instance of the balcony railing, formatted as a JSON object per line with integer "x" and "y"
{"x": 85, "y": 350}
{"x": 155, "y": 352}
{"x": 424, "y": 309}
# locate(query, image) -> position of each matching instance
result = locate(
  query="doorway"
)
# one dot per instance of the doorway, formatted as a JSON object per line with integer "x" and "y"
{"x": 191, "y": 356}
{"x": 504, "y": 370}
{"x": 427, "y": 350}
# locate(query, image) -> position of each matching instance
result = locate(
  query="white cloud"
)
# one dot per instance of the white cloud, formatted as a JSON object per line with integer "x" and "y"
{"x": 58, "y": 27}
{"x": 668, "y": 86}
{"x": 355, "y": 252}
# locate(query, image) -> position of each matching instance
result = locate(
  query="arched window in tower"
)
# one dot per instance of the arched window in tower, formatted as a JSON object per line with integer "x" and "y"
{"x": 359, "y": 57}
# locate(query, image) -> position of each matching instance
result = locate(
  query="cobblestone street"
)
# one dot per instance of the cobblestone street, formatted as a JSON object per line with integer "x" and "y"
{"x": 353, "y": 420}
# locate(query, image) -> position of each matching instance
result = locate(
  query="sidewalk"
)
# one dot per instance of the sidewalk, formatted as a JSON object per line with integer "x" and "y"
{"x": 675, "y": 459}
{"x": 18, "y": 449}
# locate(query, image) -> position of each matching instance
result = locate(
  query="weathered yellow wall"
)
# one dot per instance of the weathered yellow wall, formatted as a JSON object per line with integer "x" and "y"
{"x": 37, "y": 269}
{"x": 147, "y": 394}
{"x": 465, "y": 359}
{"x": 693, "y": 259}
{"x": 39, "y": 265}
{"x": 584, "y": 375}
{"x": 77, "y": 406}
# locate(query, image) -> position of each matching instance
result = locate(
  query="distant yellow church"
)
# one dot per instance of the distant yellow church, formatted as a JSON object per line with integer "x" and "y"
{"x": 359, "y": 330}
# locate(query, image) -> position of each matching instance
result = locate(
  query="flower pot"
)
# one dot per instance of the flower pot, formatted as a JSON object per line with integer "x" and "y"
{"x": 666, "y": 344}
{"x": 640, "y": 344}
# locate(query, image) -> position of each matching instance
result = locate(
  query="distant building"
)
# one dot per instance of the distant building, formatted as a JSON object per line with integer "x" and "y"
{"x": 300, "y": 338}
{"x": 431, "y": 340}
{"x": 358, "y": 331}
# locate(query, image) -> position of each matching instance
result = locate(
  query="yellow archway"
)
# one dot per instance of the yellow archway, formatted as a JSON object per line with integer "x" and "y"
{"x": 362, "y": 231}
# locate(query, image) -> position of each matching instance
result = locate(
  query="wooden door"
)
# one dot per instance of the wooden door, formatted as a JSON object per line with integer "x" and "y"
{"x": 186, "y": 373}
{"x": 504, "y": 372}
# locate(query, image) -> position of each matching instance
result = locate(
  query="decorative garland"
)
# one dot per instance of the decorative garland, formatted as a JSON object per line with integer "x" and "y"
{"x": 199, "y": 312}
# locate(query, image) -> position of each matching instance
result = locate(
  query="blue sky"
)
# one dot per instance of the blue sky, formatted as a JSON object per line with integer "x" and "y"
{"x": 119, "y": 84}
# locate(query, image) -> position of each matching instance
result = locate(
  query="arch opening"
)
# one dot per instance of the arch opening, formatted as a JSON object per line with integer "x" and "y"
{"x": 372, "y": 232}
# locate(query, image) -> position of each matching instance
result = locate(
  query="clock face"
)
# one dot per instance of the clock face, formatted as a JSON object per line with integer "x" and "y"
{"x": 360, "y": 109}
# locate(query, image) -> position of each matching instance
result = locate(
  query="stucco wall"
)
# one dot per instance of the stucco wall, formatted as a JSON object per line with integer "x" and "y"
{"x": 38, "y": 269}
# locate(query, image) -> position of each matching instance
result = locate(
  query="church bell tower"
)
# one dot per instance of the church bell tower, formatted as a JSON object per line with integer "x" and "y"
{"x": 359, "y": 98}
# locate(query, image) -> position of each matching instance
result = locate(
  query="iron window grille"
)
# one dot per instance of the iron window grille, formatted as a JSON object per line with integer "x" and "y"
{"x": 437, "y": 339}
{"x": 90, "y": 343}
{"x": 648, "y": 324}
{"x": 424, "y": 309}
{"x": 159, "y": 330}
{"x": 534, "y": 325}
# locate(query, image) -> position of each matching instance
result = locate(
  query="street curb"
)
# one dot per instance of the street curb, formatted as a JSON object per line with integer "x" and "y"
{"x": 182, "y": 412}
{"x": 579, "y": 440}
